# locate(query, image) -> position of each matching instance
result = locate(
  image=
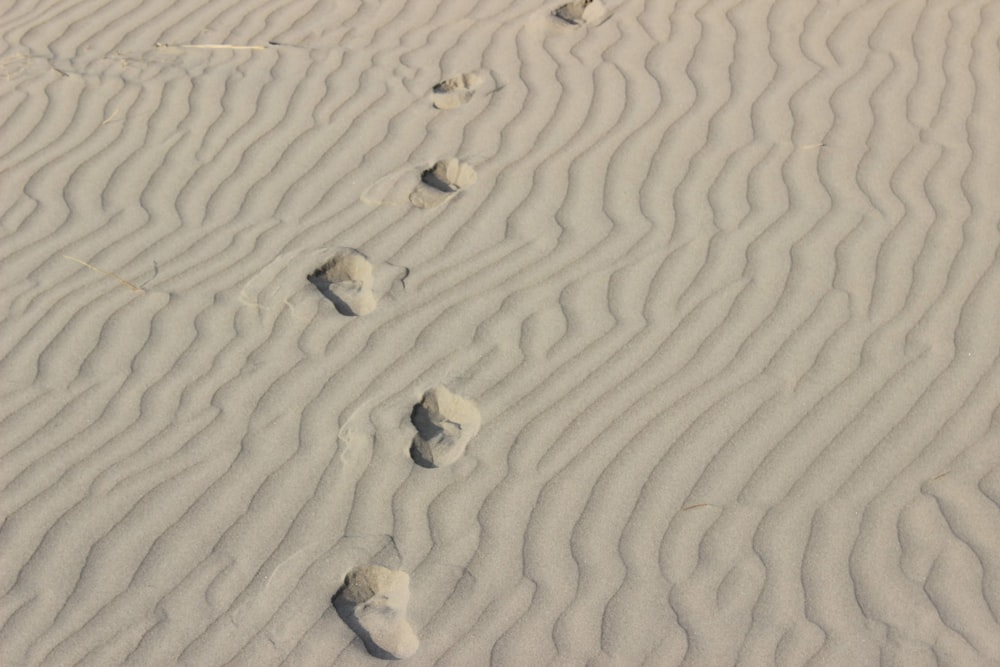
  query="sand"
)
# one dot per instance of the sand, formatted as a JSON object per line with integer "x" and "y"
{"x": 725, "y": 291}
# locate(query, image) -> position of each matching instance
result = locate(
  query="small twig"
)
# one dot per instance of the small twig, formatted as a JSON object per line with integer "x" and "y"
{"x": 134, "y": 287}
{"x": 235, "y": 47}
{"x": 692, "y": 507}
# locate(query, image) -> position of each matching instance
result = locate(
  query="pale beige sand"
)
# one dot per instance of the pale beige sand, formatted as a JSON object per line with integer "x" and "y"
{"x": 726, "y": 293}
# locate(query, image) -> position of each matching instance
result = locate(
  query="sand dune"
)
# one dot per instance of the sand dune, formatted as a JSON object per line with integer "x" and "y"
{"x": 725, "y": 293}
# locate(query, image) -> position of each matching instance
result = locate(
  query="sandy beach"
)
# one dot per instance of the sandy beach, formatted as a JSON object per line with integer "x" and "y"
{"x": 625, "y": 332}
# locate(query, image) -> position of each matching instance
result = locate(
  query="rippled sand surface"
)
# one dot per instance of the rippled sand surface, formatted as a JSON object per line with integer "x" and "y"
{"x": 721, "y": 278}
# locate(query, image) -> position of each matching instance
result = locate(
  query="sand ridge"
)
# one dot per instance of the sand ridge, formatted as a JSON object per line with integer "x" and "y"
{"x": 724, "y": 292}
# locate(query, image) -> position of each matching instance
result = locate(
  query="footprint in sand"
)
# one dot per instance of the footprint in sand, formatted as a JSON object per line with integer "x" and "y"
{"x": 582, "y": 12}
{"x": 442, "y": 182}
{"x": 445, "y": 423}
{"x": 373, "y": 603}
{"x": 458, "y": 90}
{"x": 347, "y": 279}
{"x": 423, "y": 188}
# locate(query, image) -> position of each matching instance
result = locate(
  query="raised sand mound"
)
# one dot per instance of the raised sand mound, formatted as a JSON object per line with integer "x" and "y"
{"x": 348, "y": 280}
{"x": 373, "y": 602}
{"x": 458, "y": 90}
{"x": 445, "y": 424}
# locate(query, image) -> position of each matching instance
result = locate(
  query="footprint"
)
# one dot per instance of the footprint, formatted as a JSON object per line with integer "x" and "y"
{"x": 582, "y": 12}
{"x": 441, "y": 182}
{"x": 423, "y": 188}
{"x": 456, "y": 91}
{"x": 347, "y": 279}
{"x": 373, "y": 603}
{"x": 445, "y": 423}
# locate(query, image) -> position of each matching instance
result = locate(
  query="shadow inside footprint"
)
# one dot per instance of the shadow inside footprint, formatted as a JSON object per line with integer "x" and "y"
{"x": 427, "y": 430}
{"x": 346, "y": 612}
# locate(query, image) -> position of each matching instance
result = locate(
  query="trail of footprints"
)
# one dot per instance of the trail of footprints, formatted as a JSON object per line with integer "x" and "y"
{"x": 373, "y": 599}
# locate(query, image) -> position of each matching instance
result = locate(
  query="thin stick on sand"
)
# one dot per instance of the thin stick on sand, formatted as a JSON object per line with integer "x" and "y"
{"x": 134, "y": 287}
{"x": 235, "y": 47}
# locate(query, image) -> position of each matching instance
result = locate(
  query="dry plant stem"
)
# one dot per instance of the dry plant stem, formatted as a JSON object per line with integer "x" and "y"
{"x": 237, "y": 47}
{"x": 134, "y": 287}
